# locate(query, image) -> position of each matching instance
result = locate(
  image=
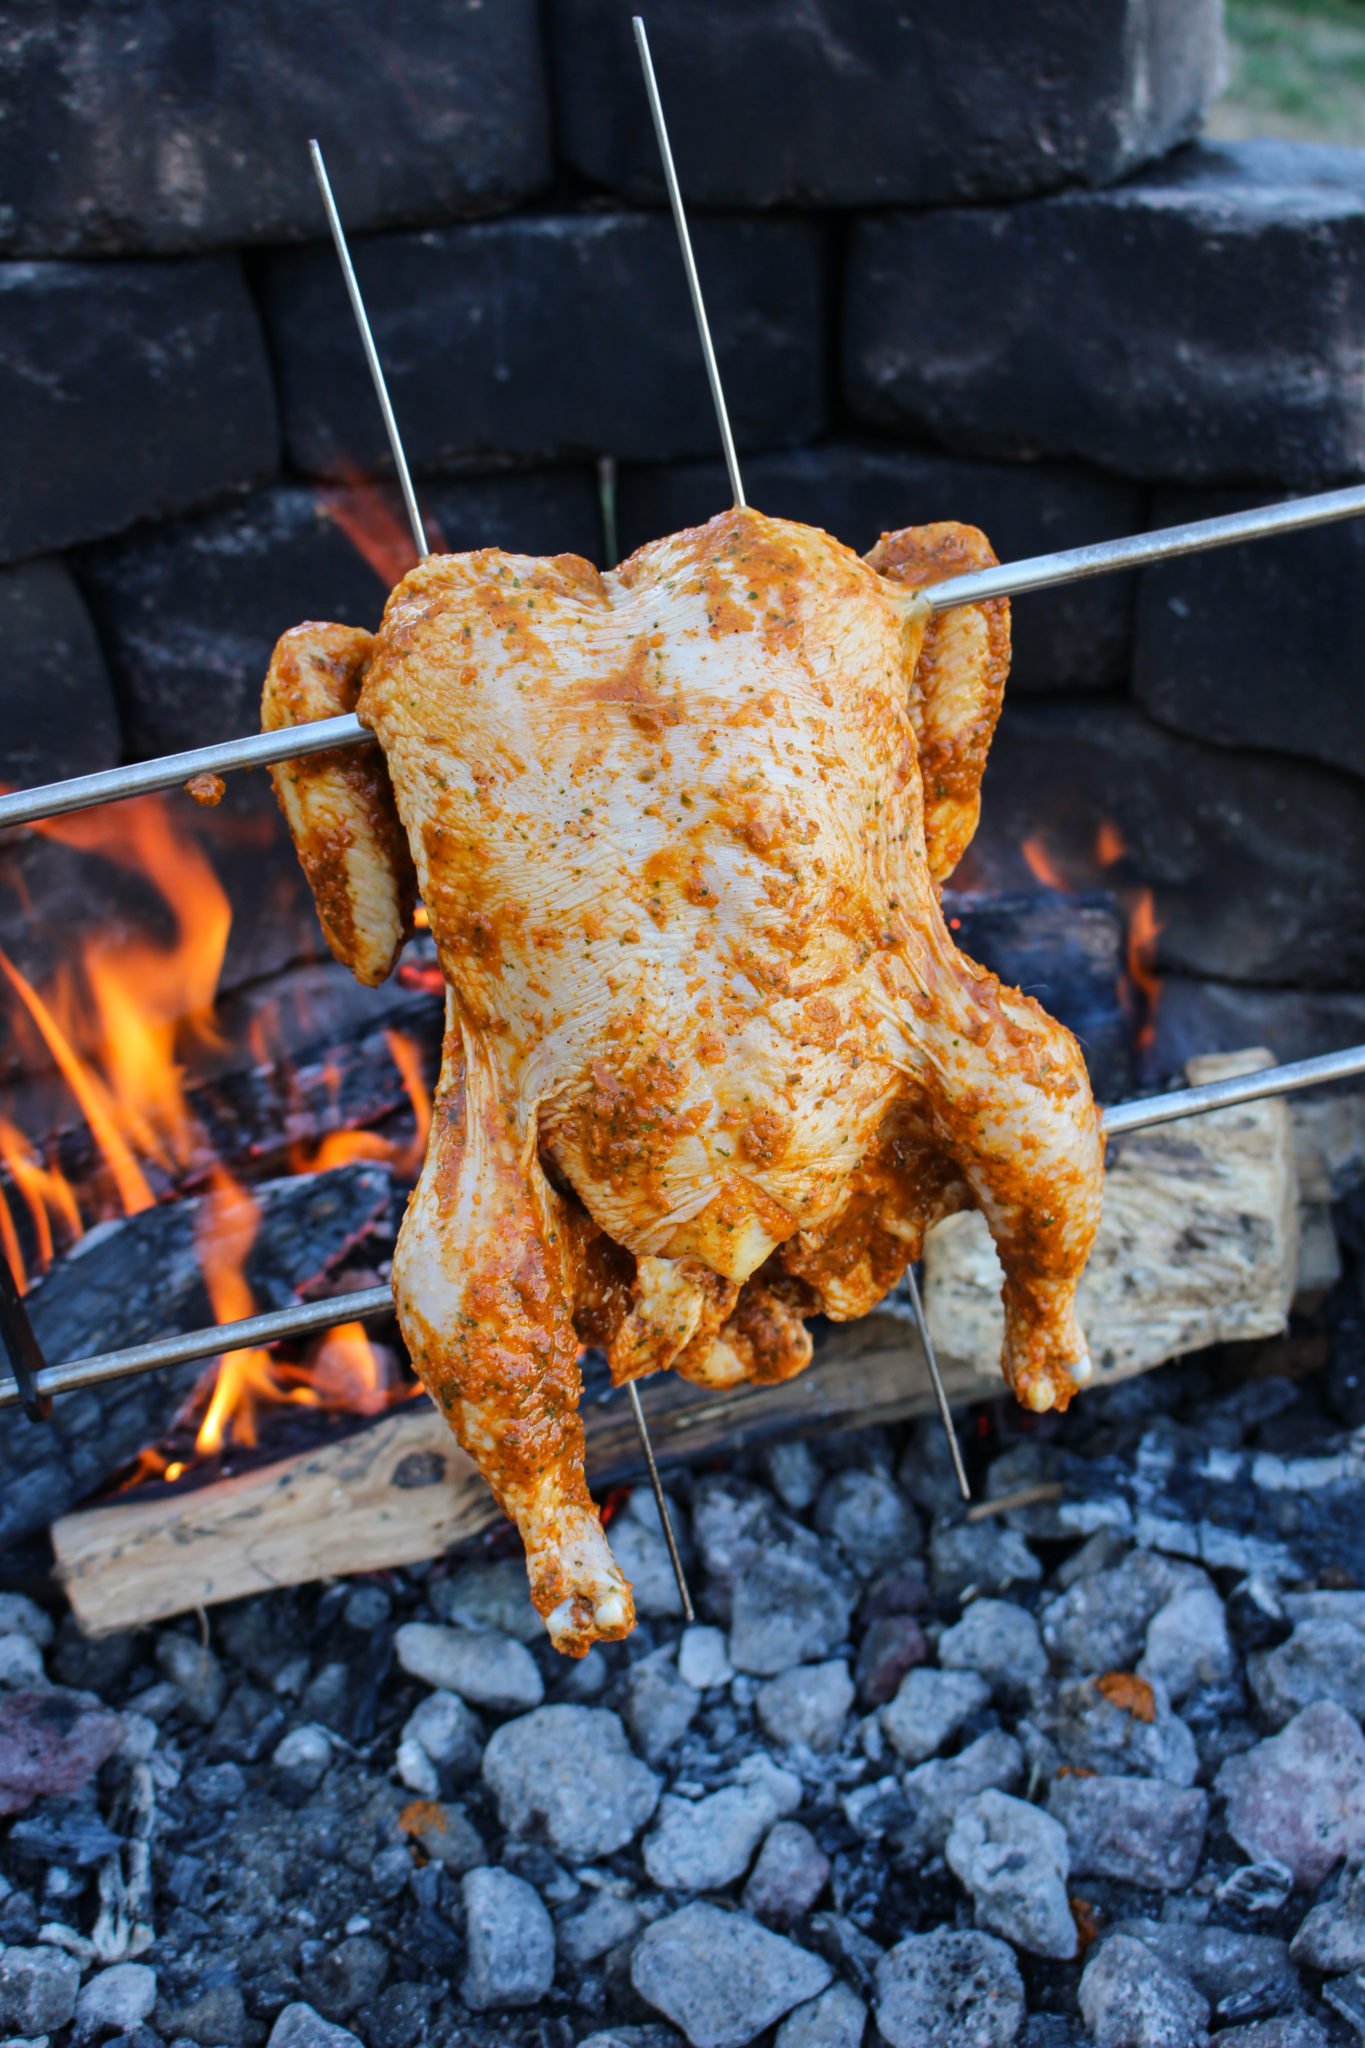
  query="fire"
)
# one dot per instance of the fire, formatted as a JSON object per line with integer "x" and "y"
{"x": 376, "y": 529}
{"x": 1141, "y": 980}
{"x": 1144, "y": 929}
{"x": 1042, "y": 867}
{"x": 338, "y": 1148}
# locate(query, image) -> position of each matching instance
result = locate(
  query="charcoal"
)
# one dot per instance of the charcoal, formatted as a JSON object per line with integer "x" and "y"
{"x": 1196, "y": 1016}
{"x": 1253, "y": 647}
{"x": 85, "y": 1305}
{"x": 1070, "y": 326}
{"x": 1075, "y": 638}
{"x": 846, "y": 104}
{"x": 127, "y": 391}
{"x": 137, "y": 130}
{"x": 61, "y": 717}
{"x": 461, "y": 318}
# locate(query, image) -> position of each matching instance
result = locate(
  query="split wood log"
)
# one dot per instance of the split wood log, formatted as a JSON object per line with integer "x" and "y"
{"x": 1198, "y": 1246}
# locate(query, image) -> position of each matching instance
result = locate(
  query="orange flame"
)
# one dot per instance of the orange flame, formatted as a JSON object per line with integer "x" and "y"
{"x": 1144, "y": 929}
{"x": 371, "y": 521}
{"x": 1042, "y": 866}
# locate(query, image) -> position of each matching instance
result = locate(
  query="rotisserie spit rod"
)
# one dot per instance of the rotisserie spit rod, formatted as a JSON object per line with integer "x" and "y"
{"x": 1123, "y": 1117}
{"x": 1011, "y": 579}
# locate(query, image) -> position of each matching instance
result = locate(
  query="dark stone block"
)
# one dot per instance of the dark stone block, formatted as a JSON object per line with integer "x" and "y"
{"x": 1257, "y": 646}
{"x": 1076, "y": 638}
{"x": 1255, "y": 863}
{"x": 152, "y": 128}
{"x": 1216, "y": 1016}
{"x": 60, "y": 714}
{"x": 189, "y": 612}
{"x": 1204, "y": 323}
{"x": 127, "y": 391}
{"x": 858, "y": 102}
{"x": 550, "y": 337}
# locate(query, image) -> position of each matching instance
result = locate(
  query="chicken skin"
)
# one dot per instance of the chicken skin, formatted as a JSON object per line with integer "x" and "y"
{"x": 712, "y": 1063}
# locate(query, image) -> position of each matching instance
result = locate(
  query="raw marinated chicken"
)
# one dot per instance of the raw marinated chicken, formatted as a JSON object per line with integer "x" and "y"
{"x": 712, "y": 1062}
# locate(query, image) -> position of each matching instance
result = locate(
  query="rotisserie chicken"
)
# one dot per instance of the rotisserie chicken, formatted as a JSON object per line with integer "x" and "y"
{"x": 712, "y": 1062}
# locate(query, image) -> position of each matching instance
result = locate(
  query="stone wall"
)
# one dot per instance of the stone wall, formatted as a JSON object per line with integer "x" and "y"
{"x": 969, "y": 264}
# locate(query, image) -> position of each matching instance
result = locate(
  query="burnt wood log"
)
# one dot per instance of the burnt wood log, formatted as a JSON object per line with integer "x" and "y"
{"x": 138, "y": 1278}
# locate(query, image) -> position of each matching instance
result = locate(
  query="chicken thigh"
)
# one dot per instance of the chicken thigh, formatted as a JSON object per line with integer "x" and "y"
{"x": 712, "y": 1062}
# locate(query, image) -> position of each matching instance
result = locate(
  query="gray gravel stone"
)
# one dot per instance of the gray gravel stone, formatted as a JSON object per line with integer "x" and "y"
{"x": 21, "y": 1616}
{"x": 836, "y": 2019}
{"x": 703, "y": 1844}
{"x": 490, "y": 1595}
{"x": 954, "y": 1990}
{"x": 117, "y": 2000}
{"x": 892, "y": 1644}
{"x": 509, "y": 1941}
{"x": 658, "y": 1703}
{"x": 1300, "y": 1796}
{"x": 1237, "y": 1973}
{"x": 982, "y": 1555}
{"x": 1287, "y": 2030}
{"x": 642, "y": 1553}
{"x": 38, "y": 1989}
{"x": 195, "y": 1672}
{"x": 1332, "y": 1937}
{"x": 1322, "y": 1660}
{"x": 703, "y": 1659}
{"x": 999, "y": 1640}
{"x": 792, "y": 1468}
{"x": 604, "y": 1923}
{"x": 870, "y": 1519}
{"x": 21, "y": 1662}
{"x": 1091, "y": 1732}
{"x": 1129, "y": 1999}
{"x": 483, "y": 1667}
{"x": 788, "y": 1608}
{"x": 720, "y": 1976}
{"x": 446, "y": 1731}
{"x": 1188, "y": 1644}
{"x": 1014, "y": 1858}
{"x": 570, "y": 1772}
{"x": 929, "y": 1707}
{"x": 1100, "y": 1623}
{"x": 808, "y": 1705}
{"x": 1257, "y": 1887}
{"x": 300, "y": 2026}
{"x": 788, "y": 1877}
{"x": 1139, "y": 1830}
{"x": 936, "y": 1790}
{"x": 304, "y": 1756}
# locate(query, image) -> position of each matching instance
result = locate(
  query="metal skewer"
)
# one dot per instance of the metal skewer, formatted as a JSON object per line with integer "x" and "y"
{"x": 1038, "y": 572}
{"x": 689, "y": 1612}
{"x": 727, "y": 439}
{"x": 940, "y": 1391}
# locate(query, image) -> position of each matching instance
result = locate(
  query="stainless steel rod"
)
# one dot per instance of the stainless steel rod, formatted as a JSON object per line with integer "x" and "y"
{"x": 1041, "y": 572}
{"x": 661, "y": 1502}
{"x": 362, "y": 321}
{"x": 945, "y": 1413}
{"x": 675, "y": 200}
{"x": 1141, "y": 1114}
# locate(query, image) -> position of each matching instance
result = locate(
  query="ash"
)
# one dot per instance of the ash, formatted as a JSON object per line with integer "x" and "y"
{"x": 1086, "y": 1770}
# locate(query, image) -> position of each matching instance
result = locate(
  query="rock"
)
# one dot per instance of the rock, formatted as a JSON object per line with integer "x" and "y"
{"x": 658, "y": 1703}
{"x": 51, "y": 1741}
{"x": 491, "y": 1593}
{"x": 781, "y": 1786}
{"x": 217, "y": 1786}
{"x": 701, "y": 1845}
{"x": 485, "y": 1669}
{"x": 38, "y": 1988}
{"x": 447, "y": 1732}
{"x": 18, "y": 1614}
{"x": 892, "y": 1644}
{"x": 998, "y": 1640}
{"x": 304, "y": 1756}
{"x": 1014, "y": 1858}
{"x": 64, "y": 720}
{"x": 702, "y": 1657}
{"x": 956, "y": 1990}
{"x": 808, "y": 1705}
{"x": 634, "y": 2037}
{"x": 1187, "y": 1643}
{"x": 1346, "y": 1995}
{"x": 509, "y": 1939}
{"x": 1118, "y": 1725}
{"x": 349, "y": 1977}
{"x": 1300, "y": 1796}
{"x": 569, "y": 1771}
{"x": 416, "y": 1770}
{"x": 642, "y": 1553}
{"x": 836, "y": 2019}
{"x": 720, "y": 1976}
{"x": 215, "y": 2018}
{"x": 149, "y": 146}
{"x": 21, "y": 1662}
{"x": 603, "y": 1924}
{"x": 609, "y": 285}
{"x": 1138, "y": 1830}
{"x": 789, "y": 1876}
{"x": 792, "y": 1469}
{"x": 981, "y": 1555}
{"x": 870, "y": 1519}
{"x": 936, "y": 1791}
{"x": 1100, "y": 1623}
{"x": 929, "y": 1707}
{"x": 98, "y": 435}
{"x": 299, "y": 2026}
{"x": 841, "y": 107}
{"x": 117, "y": 2000}
{"x": 1288, "y": 2030}
{"x": 1129, "y": 1999}
{"x": 445, "y": 1834}
{"x": 1257, "y": 1887}
{"x": 1322, "y": 1660}
{"x": 1239, "y": 1974}
{"x": 197, "y": 1675}
{"x": 1331, "y": 1937}
{"x": 1143, "y": 381}
{"x": 788, "y": 1609}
